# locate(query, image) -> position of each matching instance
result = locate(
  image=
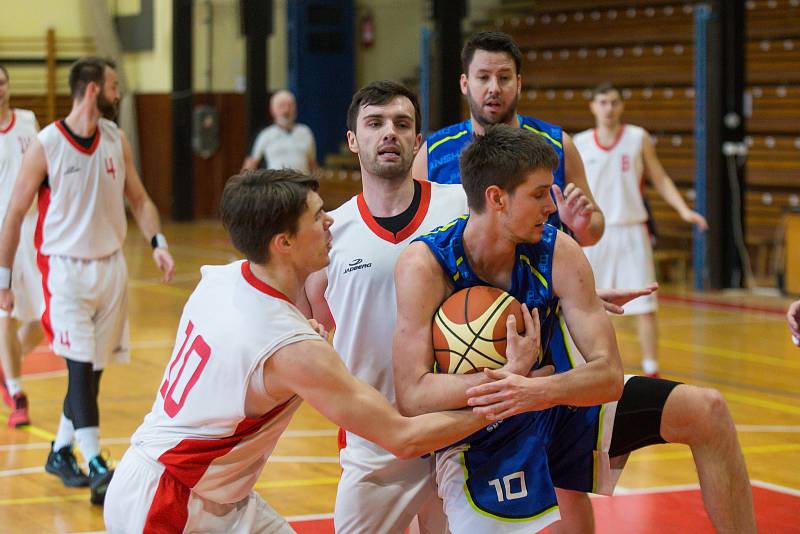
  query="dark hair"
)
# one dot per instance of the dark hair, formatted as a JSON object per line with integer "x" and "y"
{"x": 5, "y": 71}
{"x": 490, "y": 42}
{"x": 378, "y": 93}
{"x": 257, "y": 205}
{"x": 85, "y": 71}
{"x": 503, "y": 156}
{"x": 603, "y": 88}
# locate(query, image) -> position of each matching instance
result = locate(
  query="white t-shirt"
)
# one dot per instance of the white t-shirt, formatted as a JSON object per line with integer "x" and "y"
{"x": 361, "y": 290}
{"x": 82, "y": 200}
{"x": 290, "y": 149}
{"x": 615, "y": 173}
{"x": 14, "y": 141}
{"x": 198, "y": 427}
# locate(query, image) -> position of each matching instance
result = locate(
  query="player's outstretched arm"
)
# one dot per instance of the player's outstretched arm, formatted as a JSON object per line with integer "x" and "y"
{"x": 421, "y": 288}
{"x": 614, "y": 299}
{"x": 666, "y": 187}
{"x": 588, "y": 225}
{"x": 314, "y": 371}
{"x": 31, "y": 175}
{"x": 144, "y": 211}
{"x": 419, "y": 171}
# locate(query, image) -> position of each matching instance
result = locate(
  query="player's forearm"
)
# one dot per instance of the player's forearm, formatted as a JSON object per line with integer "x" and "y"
{"x": 429, "y": 432}
{"x": 434, "y": 392}
{"x": 596, "y": 382}
{"x": 9, "y": 237}
{"x": 147, "y": 218}
{"x": 666, "y": 188}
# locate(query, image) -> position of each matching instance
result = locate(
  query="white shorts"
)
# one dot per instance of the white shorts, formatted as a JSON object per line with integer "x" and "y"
{"x": 623, "y": 258}
{"x": 142, "y": 495}
{"x": 380, "y": 493}
{"x": 26, "y": 281}
{"x": 86, "y": 308}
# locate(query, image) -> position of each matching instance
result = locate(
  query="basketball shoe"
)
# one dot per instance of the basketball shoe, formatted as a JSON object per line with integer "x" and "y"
{"x": 99, "y": 479}
{"x": 62, "y": 463}
{"x": 19, "y": 413}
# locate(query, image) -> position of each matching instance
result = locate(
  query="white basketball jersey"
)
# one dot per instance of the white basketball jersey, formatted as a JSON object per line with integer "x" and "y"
{"x": 14, "y": 141}
{"x": 361, "y": 290}
{"x": 615, "y": 173}
{"x": 81, "y": 205}
{"x": 198, "y": 427}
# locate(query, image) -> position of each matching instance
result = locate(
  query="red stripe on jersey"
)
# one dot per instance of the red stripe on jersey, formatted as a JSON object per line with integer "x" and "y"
{"x": 260, "y": 284}
{"x": 77, "y": 145}
{"x": 10, "y": 124}
{"x": 42, "y": 261}
{"x": 612, "y": 145}
{"x": 189, "y": 460}
{"x": 169, "y": 510}
{"x": 411, "y": 227}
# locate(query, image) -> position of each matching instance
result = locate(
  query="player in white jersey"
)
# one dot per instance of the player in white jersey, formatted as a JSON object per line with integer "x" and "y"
{"x": 244, "y": 358}
{"x": 379, "y": 492}
{"x": 83, "y": 171}
{"x": 19, "y": 330}
{"x": 616, "y": 157}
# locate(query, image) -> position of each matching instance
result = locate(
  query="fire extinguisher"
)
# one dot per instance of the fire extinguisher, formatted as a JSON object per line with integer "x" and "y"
{"x": 367, "y": 30}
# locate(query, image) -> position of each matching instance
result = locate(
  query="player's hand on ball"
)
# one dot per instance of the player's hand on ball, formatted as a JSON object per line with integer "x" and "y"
{"x": 510, "y": 394}
{"x": 574, "y": 207}
{"x": 165, "y": 263}
{"x": 614, "y": 299}
{"x": 6, "y": 300}
{"x": 523, "y": 349}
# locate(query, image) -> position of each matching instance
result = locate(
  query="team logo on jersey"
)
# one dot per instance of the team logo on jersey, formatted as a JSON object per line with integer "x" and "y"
{"x": 357, "y": 264}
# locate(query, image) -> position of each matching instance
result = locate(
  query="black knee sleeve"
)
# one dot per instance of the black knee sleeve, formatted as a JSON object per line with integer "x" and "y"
{"x": 637, "y": 422}
{"x": 83, "y": 386}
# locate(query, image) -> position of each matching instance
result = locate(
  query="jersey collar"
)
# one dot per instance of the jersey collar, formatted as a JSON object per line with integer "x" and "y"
{"x": 411, "y": 227}
{"x": 88, "y": 151}
{"x": 260, "y": 285}
{"x": 10, "y": 123}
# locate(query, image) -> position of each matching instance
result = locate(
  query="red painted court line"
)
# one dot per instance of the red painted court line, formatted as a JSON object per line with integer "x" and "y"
{"x": 667, "y": 512}
{"x": 41, "y": 361}
{"x": 711, "y": 303}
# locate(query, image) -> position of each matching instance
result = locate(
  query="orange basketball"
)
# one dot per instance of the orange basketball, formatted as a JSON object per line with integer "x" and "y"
{"x": 469, "y": 329}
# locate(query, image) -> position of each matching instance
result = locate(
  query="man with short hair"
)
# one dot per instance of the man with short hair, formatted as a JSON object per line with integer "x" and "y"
{"x": 492, "y": 83}
{"x": 83, "y": 170}
{"x": 617, "y": 156}
{"x": 285, "y": 144}
{"x": 245, "y": 357}
{"x": 19, "y": 330}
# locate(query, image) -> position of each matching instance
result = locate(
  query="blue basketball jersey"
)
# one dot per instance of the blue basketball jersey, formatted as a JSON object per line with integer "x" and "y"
{"x": 445, "y": 147}
{"x": 553, "y": 447}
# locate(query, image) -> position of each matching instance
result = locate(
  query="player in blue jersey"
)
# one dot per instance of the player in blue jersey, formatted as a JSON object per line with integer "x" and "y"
{"x": 508, "y": 193}
{"x": 491, "y": 82}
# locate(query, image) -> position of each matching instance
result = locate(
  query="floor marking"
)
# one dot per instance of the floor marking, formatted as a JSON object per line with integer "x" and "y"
{"x": 769, "y": 428}
{"x": 297, "y": 483}
{"x": 44, "y": 500}
{"x": 719, "y": 352}
{"x": 762, "y": 403}
{"x": 622, "y": 490}
{"x": 308, "y": 517}
{"x": 687, "y": 454}
{"x": 776, "y": 487}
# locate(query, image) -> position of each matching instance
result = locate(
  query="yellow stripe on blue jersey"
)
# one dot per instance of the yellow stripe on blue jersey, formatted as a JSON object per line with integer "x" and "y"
{"x": 448, "y": 138}
{"x": 543, "y": 134}
{"x": 536, "y": 273}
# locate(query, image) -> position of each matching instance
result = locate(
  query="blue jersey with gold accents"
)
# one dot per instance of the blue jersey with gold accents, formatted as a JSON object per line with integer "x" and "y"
{"x": 531, "y": 279}
{"x": 445, "y": 147}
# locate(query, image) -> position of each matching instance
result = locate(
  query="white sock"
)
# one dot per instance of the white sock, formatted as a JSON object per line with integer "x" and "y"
{"x": 649, "y": 366}
{"x": 65, "y": 433}
{"x": 14, "y": 386}
{"x": 88, "y": 440}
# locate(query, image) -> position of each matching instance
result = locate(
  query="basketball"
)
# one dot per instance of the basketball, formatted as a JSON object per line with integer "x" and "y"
{"x": 469, "y": 329}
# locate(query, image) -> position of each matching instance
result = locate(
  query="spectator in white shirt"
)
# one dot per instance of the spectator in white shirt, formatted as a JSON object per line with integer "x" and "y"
{"x": 284, "y": 144}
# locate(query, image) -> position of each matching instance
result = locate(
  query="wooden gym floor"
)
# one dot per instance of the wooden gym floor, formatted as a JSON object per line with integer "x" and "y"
{"x": 739, "y": 345}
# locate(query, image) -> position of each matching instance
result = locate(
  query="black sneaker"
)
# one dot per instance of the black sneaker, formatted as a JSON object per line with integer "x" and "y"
{"x": 62, "y": 463}
{"x": 100, "y": 477}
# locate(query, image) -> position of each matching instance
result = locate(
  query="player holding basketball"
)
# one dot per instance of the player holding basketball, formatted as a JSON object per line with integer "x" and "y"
{"x": 617, "y": 156}
{"x": 492, "y": 83}
{"x": 19, "y": 330}
{"x": 507, "y": 175}
{"x": 83, "y": 171}
{"x": 244, "y": 359}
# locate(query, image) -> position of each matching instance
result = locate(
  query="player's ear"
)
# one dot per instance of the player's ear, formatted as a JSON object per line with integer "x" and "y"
{"x": 352, "y": 142}
{"x": 417, "y": 143}
{"x": 495, "y": 198}
{"x": 281, "y": 243}
{"x": 463, "y": 82}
